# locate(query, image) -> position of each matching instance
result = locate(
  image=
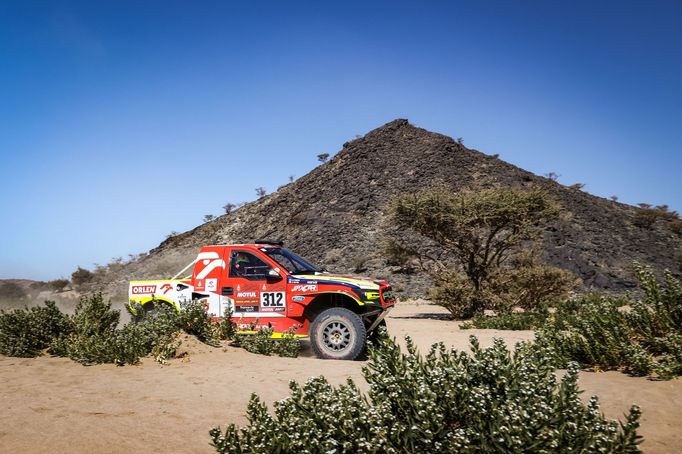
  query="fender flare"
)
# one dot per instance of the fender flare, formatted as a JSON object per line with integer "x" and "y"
{"x": 298, "y": 310}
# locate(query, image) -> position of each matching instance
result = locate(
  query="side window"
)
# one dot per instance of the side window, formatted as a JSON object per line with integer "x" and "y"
{"x": 248, "y": 266}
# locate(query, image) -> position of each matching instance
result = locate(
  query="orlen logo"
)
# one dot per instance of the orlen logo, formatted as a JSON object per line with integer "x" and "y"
{"x": 140, "y": 289}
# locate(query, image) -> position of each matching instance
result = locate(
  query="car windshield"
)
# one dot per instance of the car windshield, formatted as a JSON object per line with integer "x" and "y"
{"x": 292, "y": 262}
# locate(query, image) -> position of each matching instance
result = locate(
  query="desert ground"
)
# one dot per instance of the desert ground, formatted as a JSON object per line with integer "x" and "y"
{"x": 54, "y": 405}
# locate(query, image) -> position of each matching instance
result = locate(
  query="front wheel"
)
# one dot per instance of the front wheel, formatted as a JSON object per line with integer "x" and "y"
{"x": 337, "y": 333}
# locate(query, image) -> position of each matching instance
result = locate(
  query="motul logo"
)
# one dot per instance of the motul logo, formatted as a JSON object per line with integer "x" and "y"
{"x": 246, "y": 295}
{"x": 140, "y": 289}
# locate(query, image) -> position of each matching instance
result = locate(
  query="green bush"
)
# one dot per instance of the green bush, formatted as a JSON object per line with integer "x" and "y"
{"x": 528, "y": 285}
{"x": 91, "y": 335}
{"x": 643, "y": 338}
{"x": 224, "y": 329}
{"x": 457, "y": 294}
{"x": 262, "y": 343}
{"x": 194, "y": 320}
{"x": 514, "y": 321}
{"x": 289, "y": 345}
{"x": 26, "y": 332}
{"x": 96, "y": 339}
{"x": 448, "y": 401}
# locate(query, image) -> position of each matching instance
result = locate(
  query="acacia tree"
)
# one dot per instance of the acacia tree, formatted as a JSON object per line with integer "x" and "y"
{"x": 480, "y": 229}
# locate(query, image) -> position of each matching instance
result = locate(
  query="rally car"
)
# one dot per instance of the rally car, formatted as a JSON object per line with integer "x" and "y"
{"x": 264, "y": 285}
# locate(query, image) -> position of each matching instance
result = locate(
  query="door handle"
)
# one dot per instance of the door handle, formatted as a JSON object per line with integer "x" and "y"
{"x": 225, "y": 291}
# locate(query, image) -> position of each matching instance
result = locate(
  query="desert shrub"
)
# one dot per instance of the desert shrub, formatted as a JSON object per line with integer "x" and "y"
{"x": 509, "y": 321}
{"x": 647, "y": 215}
{"x": 81, "y": 277}
{"x": 491, "y": 400}
{"x": 259, "y": 342}
{"x": 262, "y": 343}
{"x": 11, "y": 291}
{"x": 289, "y": 345}
{"x": 94, "y": 316}
{"x": 360, "y": 264}
{"x": 457, "y": 294}
{"x": 58, "y": 285}
{"x": 195, "y": 320}
{"x": 642, "y": 339}
{"x": 397, "y": 254}
{"x": 26, "y": 332}
{"x": 528, "y": 284}
{"x": 91, "y": 335}
{"x": 676, "y": 226}
{"x": 96, "y": 339}
{"x": 225, "y": 328}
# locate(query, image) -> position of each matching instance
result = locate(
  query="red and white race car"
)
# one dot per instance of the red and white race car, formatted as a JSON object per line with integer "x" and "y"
{"x": 265, "y": 285}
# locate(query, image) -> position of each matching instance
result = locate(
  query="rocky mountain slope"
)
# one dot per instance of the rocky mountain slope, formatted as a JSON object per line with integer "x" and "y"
{"x": 334, "y": 215}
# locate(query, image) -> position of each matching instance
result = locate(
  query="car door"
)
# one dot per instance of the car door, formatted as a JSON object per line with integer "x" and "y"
{"x": 253, "y": 289}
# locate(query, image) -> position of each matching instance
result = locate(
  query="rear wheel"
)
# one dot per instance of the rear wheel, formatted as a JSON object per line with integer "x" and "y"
{"x": 149, "y": 310}
{"x": 337, "y": 333}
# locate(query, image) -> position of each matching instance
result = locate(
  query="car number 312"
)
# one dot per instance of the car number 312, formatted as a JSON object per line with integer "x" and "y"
{"x": 272, "y": 299}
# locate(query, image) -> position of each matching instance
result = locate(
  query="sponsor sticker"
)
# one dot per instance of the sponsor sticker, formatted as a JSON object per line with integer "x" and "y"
{"x": 142, "y": 289}
{"x": 304, "y": 288}
{"x": 249, "y": 326}
{"x": 298, "y": 298}
{"x": 272, "y": 302}
{"x": 239, "y": 308}
{"x": 247, "y": 295}
{"x": 212, "y": 284}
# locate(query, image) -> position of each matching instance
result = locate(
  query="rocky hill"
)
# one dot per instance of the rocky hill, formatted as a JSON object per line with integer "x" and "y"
{"x": 334, "y": 215}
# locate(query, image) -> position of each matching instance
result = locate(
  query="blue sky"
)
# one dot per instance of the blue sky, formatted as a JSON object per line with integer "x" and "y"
{"x": 123, "y": 121}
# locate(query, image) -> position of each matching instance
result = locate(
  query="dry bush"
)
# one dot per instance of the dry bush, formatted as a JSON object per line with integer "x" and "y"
{"x": 11, "y": 291}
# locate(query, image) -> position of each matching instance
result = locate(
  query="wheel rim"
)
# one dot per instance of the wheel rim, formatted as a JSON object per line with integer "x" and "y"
{"x": 336, "y": 336}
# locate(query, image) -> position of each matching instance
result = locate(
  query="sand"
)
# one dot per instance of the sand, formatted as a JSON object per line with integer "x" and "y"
{"x": 54, "y": 405}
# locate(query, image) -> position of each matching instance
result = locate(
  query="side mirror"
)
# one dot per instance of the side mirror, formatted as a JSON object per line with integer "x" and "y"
{"x": 273, "y": 275}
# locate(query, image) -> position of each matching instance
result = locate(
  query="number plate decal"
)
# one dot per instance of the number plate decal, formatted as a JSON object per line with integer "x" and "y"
{"x": 272, "y": 302}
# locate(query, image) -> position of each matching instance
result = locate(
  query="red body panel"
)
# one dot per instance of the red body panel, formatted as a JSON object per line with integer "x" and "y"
{"x": 221, "y": 277}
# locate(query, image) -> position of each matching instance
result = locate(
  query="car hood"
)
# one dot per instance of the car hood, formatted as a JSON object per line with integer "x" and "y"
{"x": 365, "y": 283}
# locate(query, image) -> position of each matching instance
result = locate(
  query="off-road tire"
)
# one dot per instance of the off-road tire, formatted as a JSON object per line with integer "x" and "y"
{"x": 149, "y": 309}
{"x": 337, "y": 333}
